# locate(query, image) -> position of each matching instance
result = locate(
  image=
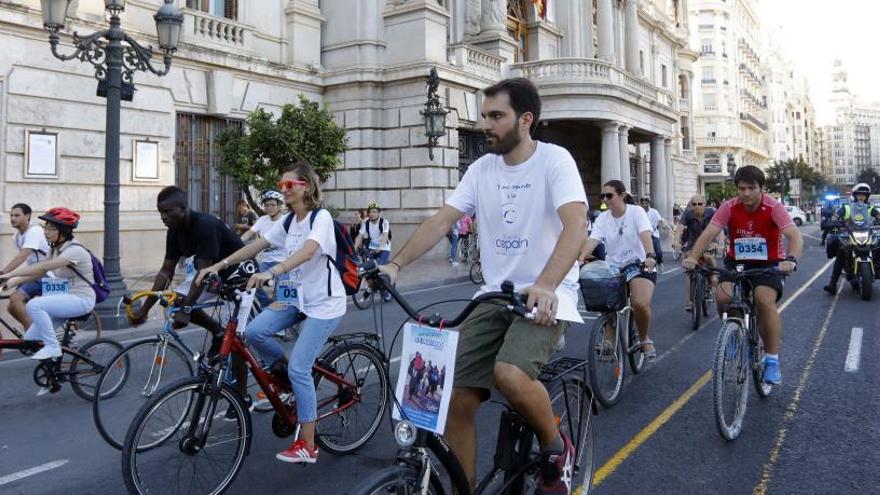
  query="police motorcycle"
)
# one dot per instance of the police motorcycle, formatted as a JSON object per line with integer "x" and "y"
{"x": 858, "y": 246}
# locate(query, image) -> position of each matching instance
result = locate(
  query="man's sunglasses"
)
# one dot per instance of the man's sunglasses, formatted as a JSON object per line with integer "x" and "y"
{"x": 696, "y": 204}
{"x": 606, "y": 195}
{"x": 289, "y": 183}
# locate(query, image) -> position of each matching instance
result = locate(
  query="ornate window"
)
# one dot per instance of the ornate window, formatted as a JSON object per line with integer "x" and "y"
{"x": 219, "y": 8}
{"x": 517, "y": 22}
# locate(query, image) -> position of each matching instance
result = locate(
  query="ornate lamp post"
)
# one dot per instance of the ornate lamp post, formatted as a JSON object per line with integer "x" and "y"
{"x": 434, "y": 114}
{"x": 116, "y": 57}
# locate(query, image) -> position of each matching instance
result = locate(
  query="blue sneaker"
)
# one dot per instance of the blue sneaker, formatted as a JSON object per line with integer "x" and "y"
{"x": 772, "y": 374}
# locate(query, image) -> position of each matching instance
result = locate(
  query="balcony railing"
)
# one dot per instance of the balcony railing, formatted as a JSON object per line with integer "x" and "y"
{"x": 580, "y": 71}
{"x": 203, "y": 27}
{"x": 708, "y": 81}
{"x": 476, "y": 60}
{"x": 754, "y": 120}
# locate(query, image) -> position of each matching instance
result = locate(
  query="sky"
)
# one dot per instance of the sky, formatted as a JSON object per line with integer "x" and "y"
{"x": 815, "y": 32}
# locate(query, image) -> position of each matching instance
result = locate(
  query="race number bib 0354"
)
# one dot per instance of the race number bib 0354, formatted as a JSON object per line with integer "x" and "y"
{"x": 750, "y": 248}
{"x": 54, "y": 286}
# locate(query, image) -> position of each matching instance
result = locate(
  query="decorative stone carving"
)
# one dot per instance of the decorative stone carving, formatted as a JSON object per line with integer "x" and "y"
{"x": 472, "y": 17}
{"x": 493, "y": 15}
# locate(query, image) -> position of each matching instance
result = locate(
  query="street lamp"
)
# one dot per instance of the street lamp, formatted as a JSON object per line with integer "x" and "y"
{"x": 731, "y": 165}
{"x": 116, "y": 57}
{"x": 434, "y": 114}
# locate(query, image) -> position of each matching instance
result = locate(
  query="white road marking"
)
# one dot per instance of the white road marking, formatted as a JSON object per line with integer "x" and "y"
{"x": 672, "y": 270}
{"x": 854, "y": 355}
{"x": 32, "y": 471}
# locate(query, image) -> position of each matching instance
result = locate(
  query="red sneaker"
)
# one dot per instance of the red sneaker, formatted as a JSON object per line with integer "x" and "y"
{"x": 557, "y": 471}
{"x": 299, "y": 452}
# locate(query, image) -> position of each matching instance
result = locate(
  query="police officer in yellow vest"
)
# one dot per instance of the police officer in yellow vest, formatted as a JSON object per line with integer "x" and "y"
{"x": 857, "y": 214}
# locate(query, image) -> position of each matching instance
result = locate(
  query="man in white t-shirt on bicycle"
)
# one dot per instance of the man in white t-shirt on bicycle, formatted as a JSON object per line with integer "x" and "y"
{"x": 530, "y": 200}
{"x": 32, "y": 248}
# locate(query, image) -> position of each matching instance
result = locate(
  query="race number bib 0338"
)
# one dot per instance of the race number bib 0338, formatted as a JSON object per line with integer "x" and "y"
{"x": 54, "y": 286}
{"x": 750, "y": 248}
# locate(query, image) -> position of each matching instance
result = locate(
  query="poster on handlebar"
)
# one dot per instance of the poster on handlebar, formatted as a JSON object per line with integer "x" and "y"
{"x": 424, "y": 384}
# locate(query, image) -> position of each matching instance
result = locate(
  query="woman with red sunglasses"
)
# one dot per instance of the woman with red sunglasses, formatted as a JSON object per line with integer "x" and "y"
{"x": 301, "y": 279}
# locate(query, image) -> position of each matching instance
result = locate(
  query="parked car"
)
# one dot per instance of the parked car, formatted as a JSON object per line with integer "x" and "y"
{"x": 797, "y": 215}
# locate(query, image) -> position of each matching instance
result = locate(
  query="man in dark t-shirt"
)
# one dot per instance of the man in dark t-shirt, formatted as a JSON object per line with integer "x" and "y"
{"x": 201, "y": 240}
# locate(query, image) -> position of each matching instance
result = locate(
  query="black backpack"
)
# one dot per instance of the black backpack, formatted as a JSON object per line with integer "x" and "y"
{"x": 381, "y": 224}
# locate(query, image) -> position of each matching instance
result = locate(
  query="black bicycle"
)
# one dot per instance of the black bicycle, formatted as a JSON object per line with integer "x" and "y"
{"x": 365, "y": 294}
{"x": 739, "y": 351}
{"x": 700, "y": 296}
{"x": 476, "y": 273}
{"x": 516, "y": 467}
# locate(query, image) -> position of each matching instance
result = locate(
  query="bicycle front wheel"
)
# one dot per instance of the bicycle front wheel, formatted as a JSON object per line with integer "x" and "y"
{"x": 84, "y": 373}
{"x": 634, "y": 353}
{"x": 399, "y": 480}
{"x": 763, "y": 388}
{"x": 363, "y": 298}
{"x": 476, "y": 273}
{"x": 136, "y": 374}
{"x": 350, "y": 412}
{"x": 572, "y": 404}
{"x": 729, "y": 375}
{"x": 697, "y": 297}
{"x": 606, "y": 360}
{"x": 184, "y": 442}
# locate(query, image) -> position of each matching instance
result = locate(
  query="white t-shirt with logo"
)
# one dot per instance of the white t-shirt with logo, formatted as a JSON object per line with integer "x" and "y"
{"x": 33, "y": 238}
{"x": 376, "y": 243}
{"x": 271, "y": 254}
{"x": 621, "y": 235}
{"x": 516, "y": 207}
{"x": 310, "y": 278}
{"x": 655, "y": 219}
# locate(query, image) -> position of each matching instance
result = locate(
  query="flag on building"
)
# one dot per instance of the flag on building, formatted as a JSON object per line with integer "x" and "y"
{"x": 541, "y": 7}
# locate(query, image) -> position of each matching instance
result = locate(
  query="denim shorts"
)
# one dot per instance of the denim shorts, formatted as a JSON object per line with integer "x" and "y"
{"x": 31, "y": 289}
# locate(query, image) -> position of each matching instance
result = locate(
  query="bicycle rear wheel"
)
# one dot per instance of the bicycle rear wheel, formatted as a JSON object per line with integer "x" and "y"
{"x": 476, "y": 273}
{"x": 697, "y": 298}
{"x": 571, "y": 401}
{"x": 606, "y": 361}
{"x": 349, "y": 429}
{"x": 137, "y": 373}
{"x": 400, "y": 480}
{"x": 86, "y": 372}
{"x": 162, "y": 452}
{"x": 729, "y": 375}
{"x": 92, "y": 324}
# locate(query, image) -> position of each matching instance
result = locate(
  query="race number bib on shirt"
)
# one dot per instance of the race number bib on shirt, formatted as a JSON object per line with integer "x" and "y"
{"x": 55, "y": 286}
{"x": 750, "y": 248}
{"x": 190, "y": 266}
{"x": 375, "y": 244}
{"x": 286, "y": 292}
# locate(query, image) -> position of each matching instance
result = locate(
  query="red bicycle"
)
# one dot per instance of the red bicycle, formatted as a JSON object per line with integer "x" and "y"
{"x": 177, "y": 443}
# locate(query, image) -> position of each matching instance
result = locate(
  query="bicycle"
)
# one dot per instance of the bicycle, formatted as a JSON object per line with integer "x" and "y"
{"x": 700, "y": 294}
{"x": 476, "y": 273}
{"x": 365, "y": 294}
{"x": 611, "y": 299}
{"x": 176, "y": 430}
{"x": 78, "y": 364}
{"x": 517, "y": 457}
{"x": 739, "y": 349}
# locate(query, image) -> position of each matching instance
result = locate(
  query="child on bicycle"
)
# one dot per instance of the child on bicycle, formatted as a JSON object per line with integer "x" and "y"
{"x": 314, "y": 287}
{"x": 67, "y": 293}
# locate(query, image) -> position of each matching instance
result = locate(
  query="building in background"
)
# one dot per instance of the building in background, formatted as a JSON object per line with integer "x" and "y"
{"x": 793, "y": 134}
{"x": 852, "y": 142}
{"x": 616, "y": 77}
{"x": 731, "y": 109}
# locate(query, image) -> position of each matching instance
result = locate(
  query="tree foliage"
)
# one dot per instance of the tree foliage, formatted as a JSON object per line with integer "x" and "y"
{"x": 781, "y": 173}
{"x": 720, "y": 191}
{"x": 871, "y": 177}
{"x": 253, "y": 157}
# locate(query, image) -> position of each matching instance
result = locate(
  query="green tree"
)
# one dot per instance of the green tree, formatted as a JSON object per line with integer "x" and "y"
{"x": 720, "y": 191}
{"x": 780, "y": 174}
{"x": 871, "y": 177}
{"x": 253, "y": 157}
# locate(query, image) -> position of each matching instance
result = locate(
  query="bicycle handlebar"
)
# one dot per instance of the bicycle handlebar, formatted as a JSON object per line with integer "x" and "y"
{"x": 516, "y": 301}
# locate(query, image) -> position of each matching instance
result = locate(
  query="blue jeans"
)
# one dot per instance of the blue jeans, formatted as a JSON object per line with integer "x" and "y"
{"x": 264, "y": 298}
{"x": 312, "y": 337}
{"x": 453, "y": 250}
{"x": 383, "y": 258}
{"x": 657, "y": 249}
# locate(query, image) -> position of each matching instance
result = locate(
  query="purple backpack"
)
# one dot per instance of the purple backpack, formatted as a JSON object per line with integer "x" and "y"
{"x": 101, "y": 285}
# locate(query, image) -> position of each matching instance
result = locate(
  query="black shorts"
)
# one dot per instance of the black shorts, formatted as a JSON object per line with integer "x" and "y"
{"x": 652, "y": 276}
{"x": 776, "y": 281}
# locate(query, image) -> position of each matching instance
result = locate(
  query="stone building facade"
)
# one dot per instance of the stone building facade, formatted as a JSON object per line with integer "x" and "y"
{"x": 616, "y": 78}
{"x": 853, "y": 141}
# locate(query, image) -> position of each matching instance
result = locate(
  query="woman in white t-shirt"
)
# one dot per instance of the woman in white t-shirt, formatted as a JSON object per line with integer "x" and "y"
{"x": 303, "y": 285}
{"x": 271, "y": 256}
{"x": 67, "y": 293}
{"x": 625, "y": 231}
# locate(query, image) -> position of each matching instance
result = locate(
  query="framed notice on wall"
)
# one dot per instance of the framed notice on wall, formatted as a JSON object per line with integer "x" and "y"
{"x": 145, "y": 160}
{"x": 41, "y": 153}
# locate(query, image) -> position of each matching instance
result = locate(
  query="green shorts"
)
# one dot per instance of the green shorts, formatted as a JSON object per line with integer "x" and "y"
{"x": 492, "y": 333}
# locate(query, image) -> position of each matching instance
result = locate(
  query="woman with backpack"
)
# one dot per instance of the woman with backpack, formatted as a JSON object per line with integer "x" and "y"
{"x": 68, "y": 292}
{"x": 307, "y": 281}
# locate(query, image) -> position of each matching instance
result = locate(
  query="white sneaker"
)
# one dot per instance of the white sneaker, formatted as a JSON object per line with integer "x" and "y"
{"x": 47, "y": 352}
{"x": 43, "y": 391}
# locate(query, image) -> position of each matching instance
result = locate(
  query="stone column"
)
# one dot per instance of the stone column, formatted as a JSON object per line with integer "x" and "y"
{"x": 631, "y": 16}
{"x": 585, "y": 10}
{"x": 569, "y": 19}
{"x": 606, "y": 30}
{"x": 492, "y": 16}
{"x": 625, "y": 175}
{"x": 658, "y": 172}
{"x": 610, "y": 152}
{"x": 666, "y": 212}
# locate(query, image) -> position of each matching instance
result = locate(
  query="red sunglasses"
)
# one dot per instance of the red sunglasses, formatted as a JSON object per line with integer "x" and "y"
{"x": 289, "y": 183}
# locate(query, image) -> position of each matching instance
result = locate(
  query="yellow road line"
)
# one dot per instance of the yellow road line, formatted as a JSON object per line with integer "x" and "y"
{"x": 791, "y": 410}
{"x": 641, "y": 437}
{"x": 649, "y": 430}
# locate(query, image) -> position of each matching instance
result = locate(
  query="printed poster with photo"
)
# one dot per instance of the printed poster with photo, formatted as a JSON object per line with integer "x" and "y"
{"x": 424, "y": 384}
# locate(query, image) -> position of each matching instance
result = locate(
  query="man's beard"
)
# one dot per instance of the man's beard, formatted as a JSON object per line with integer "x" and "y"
{"x": 504, "y": 144}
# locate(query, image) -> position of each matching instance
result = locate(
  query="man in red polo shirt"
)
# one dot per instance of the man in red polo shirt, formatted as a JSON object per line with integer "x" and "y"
{"x": 756, "y": 223}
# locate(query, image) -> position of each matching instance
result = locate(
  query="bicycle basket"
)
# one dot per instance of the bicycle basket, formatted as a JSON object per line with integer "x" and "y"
{"x": 603, "y": 289}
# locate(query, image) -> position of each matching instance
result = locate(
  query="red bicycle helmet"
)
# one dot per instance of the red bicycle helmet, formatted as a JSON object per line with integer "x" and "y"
{"x": 61, "y": 216}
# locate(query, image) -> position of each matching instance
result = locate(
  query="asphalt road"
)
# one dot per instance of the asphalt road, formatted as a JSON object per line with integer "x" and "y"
{"x": 816, "y": 433}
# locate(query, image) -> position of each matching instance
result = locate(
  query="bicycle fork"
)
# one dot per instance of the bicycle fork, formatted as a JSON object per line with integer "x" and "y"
{"x": 159, "y": 361}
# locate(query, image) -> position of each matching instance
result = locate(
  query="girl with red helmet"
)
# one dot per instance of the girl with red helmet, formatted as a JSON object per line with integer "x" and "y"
{"x": 65, "y": 277}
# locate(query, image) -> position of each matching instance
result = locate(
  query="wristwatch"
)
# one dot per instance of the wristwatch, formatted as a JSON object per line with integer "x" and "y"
{"x": 651, "y": 255}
